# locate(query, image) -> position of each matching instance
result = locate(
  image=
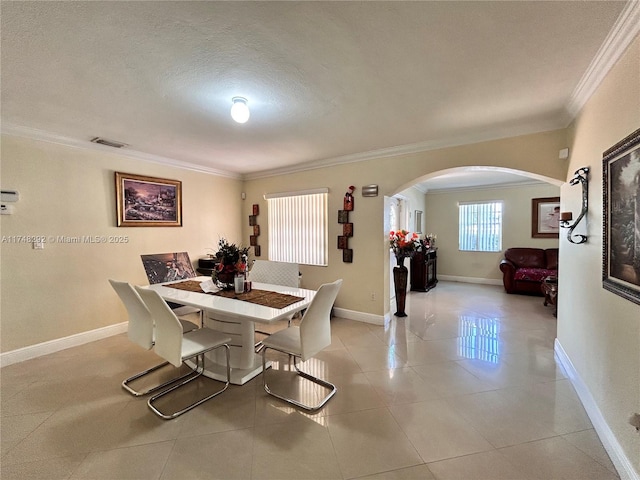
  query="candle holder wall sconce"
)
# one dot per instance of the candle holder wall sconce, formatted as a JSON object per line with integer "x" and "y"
{"x": 580, "y": 176}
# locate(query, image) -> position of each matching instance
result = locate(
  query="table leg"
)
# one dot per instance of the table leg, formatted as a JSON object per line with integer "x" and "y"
{"x": 245, "y": 363}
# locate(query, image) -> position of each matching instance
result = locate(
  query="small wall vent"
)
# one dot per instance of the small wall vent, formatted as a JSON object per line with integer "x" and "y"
{"x": 108, "y": 143}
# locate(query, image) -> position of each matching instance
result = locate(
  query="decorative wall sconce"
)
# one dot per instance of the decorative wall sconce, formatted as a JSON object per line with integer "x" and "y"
{"x": 370, "y": 191}
{"x": 580, "y": 176}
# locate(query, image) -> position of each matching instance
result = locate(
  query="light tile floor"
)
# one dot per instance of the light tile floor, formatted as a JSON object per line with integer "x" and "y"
{"x": 465, "y": 387}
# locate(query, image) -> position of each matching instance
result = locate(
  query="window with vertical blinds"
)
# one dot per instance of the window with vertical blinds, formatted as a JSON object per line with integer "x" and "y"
{"x": 480, "y": 226}
{"x": 298, "y": 227}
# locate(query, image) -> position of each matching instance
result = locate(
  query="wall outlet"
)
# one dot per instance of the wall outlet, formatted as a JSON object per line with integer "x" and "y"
{"x": 373, "y": 296}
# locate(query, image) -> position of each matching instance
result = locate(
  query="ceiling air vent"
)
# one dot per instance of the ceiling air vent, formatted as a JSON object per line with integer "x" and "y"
{"x": 108, "y": 143}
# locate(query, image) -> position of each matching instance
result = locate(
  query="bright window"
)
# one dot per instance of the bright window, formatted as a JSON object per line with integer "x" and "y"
{"x": 480, "y": 226}
{"x": 298, "y": 227}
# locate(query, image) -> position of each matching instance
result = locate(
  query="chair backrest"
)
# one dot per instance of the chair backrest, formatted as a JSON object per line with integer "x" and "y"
{"x": 140, "y": 328}
{"x": 315, "y": 326}
{"x": 168, "y": 333}
{"x": 167, "y": 267}
{"x": 276, "y": 273}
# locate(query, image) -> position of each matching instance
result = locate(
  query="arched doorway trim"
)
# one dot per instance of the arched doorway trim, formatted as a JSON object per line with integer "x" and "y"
{"x": 479, "y": 168}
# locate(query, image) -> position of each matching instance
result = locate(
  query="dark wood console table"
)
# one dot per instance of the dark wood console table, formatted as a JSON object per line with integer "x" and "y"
{"x": 424, "y": 271}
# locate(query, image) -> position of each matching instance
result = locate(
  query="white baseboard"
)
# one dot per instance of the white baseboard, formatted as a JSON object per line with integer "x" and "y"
{"x": 456, "y": 278}
{"x": 374, "y": 319}
{"x": 359, "y": 316}
{"x": 45, "y": 348}
{"x": 52, "y": 346}
{"x": 620, "y": 461}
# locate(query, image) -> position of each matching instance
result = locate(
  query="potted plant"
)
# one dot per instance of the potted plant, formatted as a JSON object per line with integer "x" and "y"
{"x": 232, "y": 259}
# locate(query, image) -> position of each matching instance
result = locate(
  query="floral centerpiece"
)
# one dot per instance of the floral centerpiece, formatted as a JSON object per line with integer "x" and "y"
{"x": 232, "y": 259}
{"x": 404, "y": 244}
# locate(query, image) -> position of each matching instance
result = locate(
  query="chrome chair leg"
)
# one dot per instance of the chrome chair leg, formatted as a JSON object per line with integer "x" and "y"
{"x": 136, "y": 393}
{"x": 187, "y": 326}
{"x": 310, "y": 408}
{"x": 200, "y": 359}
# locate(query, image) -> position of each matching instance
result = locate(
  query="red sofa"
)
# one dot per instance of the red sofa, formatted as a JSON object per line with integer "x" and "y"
{"x": 524, "y": 269}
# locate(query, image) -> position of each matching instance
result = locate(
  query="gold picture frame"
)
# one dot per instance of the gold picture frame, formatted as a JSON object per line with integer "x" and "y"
{"x": 143, "y": 201}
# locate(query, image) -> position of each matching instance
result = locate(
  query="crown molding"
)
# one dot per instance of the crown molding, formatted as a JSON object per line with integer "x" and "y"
{"x": 495, "y": 186}
{"x": 36, "y": 134}
{"x": 413, "y": 148}
{"x": 624, "y": 31}
{"x": 421, "y": 188}
{"x": 621, "y": 35}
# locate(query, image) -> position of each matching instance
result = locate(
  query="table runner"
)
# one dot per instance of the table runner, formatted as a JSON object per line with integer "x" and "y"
{"x": 260, "y": 297}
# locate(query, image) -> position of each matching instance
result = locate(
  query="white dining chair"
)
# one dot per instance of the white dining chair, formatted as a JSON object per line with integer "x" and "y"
{"x": 276, "y": 273}
{"x": 176, "y": 348}
{"x": 140, "y": 330}
{"x": 305, "y": 341}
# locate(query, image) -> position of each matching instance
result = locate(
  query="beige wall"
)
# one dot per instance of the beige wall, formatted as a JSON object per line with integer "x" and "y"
{"x": 69, "y": 191}
{"x": 442, "y": 219}
{"x": 599, "y": 330}
{"x": 365, "y": 288}
{"x": 63, "y": 289}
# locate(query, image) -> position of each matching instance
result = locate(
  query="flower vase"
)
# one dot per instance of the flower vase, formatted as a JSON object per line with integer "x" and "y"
{"x": 225, "y": 280}
{"x": 400, "y": 275}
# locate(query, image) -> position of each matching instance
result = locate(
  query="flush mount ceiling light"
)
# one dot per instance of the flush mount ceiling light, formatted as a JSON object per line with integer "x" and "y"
{"x": 239, "y": 109}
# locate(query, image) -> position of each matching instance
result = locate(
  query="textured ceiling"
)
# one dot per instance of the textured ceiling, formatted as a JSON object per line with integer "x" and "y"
{"x": 326, "y": 81}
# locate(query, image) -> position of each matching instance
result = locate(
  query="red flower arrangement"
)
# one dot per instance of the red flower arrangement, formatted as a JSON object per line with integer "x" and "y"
{"x": 404, "y": 244}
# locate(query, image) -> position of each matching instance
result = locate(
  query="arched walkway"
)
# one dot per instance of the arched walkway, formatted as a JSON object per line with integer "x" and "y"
{"x": 481, "y": 177}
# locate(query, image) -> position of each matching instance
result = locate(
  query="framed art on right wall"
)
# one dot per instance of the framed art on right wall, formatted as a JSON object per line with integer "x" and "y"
{"x": 621, "y": 218}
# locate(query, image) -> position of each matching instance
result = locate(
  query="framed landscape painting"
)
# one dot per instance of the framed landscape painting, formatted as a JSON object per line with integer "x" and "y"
{"x": 621, "y": 218}
{"x": 148, "y": 201}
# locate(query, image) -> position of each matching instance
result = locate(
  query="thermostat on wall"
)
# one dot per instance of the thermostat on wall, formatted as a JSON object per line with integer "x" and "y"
{"x": 10, "y": 195}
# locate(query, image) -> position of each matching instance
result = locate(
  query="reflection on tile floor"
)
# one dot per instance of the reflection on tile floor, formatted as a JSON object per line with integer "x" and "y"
{"x": 465, "y": 387}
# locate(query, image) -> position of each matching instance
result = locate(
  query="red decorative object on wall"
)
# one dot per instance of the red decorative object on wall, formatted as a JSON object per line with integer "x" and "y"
{"x": 348, "y": 199}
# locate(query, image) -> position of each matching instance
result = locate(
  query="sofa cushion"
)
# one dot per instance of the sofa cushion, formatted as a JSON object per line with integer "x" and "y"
{"x": 552, "y": 258}
{"x": 533, "y": 274}
{"x": 526, "y": 257}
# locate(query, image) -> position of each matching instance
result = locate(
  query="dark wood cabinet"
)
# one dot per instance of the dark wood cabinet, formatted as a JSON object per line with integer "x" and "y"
{"x": 424, "y": 271}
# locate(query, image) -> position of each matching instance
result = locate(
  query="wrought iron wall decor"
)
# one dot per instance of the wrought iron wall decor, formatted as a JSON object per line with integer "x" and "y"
{"x": 581, "y": 176}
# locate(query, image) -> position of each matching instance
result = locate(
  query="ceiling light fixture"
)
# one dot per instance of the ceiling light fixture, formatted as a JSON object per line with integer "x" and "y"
{"x": 239, "y": 109}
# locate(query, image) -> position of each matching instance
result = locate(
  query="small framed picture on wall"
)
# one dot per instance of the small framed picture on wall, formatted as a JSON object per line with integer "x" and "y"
{"x": 545, "y": 217}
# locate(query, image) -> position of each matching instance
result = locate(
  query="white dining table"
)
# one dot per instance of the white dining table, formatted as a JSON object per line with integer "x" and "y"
{"x": 237, "y": 319}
